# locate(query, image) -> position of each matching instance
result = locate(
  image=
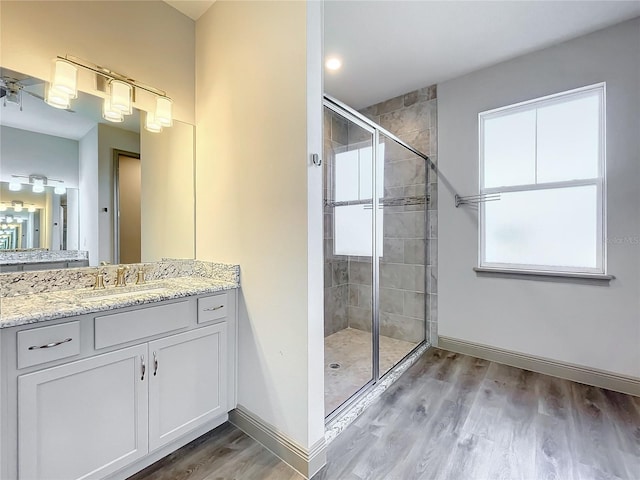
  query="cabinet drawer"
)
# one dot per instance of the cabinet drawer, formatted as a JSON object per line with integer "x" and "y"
{"x": 125, "y": 327}
{"x": 212, "y": 308}
{"x": 46, "y": 344}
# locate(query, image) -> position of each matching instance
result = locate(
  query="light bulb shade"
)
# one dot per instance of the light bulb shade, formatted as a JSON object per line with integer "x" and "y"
{"x": 111, "y": 114}
{"x": 57, "y": 98}
{"x": 8, "y": 219}
{"x": 32, "y": 209}
{"x": 164, "y": 116}
{"x": 17, "y": 208}
{"x": 15, "y": 186}
{"x": 38, "y": 186}
{"x": 65, "y": 78}
{"x": 3, "y": 208}
{"x": 151, "y": 124}
{"x": 121, "y": 97}
{"x": 20, "y": 220}
{"x": 59, "y": 190}
{"x": 12, "y": 226}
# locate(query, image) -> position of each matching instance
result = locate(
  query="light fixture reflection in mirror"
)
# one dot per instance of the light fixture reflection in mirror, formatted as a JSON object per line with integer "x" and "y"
{"x": 151, "y": 124}
{"x": 88, "y": 223}
{"x": 111, "y": 114}
{"x": 57, "y": 98}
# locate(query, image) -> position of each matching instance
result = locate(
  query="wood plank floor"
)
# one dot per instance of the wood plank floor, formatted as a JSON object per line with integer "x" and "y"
{"x": 454, "y": 417}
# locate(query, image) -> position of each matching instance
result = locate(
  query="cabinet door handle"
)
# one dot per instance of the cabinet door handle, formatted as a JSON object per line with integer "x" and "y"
{"x": 213, "y": 308}
{"x": 50, "y": 345}
{"x": 155, "y": 364}
{"x": 143, "y": 367}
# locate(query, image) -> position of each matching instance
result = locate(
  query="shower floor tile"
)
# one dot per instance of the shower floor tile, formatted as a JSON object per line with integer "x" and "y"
{"x": 351, "y": 349}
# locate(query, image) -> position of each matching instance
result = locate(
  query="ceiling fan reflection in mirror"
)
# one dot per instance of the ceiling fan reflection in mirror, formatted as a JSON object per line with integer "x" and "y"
{"x": 13, "y": 85}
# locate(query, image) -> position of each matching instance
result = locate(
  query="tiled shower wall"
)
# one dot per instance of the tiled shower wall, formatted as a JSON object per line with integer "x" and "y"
{"x": 410, "y": 243}
{"x": 406, "y": 258}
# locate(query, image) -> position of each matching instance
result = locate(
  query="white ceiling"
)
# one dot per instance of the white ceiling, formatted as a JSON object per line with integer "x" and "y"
{"x": 393, "y": 47}
{"x": 191, "y": 8}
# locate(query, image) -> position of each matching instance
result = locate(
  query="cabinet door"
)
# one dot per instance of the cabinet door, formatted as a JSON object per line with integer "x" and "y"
{"x": 187, "y": 382}
{"x": 84, "y": 419}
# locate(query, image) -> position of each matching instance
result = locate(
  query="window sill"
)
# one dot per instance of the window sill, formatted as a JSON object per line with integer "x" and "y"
{"x": 592, "y": 278}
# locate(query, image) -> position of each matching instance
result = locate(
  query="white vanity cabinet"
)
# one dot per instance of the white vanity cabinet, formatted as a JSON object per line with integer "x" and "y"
{"x": 83, "y": 419}
{"x": 112, "y": 403}
{"x": 187, "y": 382}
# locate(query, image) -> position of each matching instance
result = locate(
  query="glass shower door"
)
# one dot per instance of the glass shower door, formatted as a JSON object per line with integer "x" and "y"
{"x": 402, "y": 260}
{"x": 348, "y": 250}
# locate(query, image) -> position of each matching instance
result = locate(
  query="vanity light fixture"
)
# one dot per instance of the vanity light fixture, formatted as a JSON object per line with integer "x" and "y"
{"x": 59, "y": 190}
{"x": 65, "y": 78}
{"x": 120, "y": 93}
{"x": 121, "y": 96}
{"x": 3, "y": 207}
{"x": 17, "y": 206}
{"x": 151, "y": 124}
{"x": 19, "y": 219}
{"x": 8, "y": 219}
{"x": 31, "y": 209}
{"x": 15, "y": 186}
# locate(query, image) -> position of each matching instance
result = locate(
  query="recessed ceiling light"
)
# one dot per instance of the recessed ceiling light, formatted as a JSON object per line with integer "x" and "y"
{"x": 333, "y": 63}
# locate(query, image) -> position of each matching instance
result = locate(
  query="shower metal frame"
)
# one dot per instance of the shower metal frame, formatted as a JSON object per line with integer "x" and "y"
{"x": 370, "y": 126}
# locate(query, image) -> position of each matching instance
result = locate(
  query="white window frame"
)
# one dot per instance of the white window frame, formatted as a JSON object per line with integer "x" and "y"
{"x": 599, "y": 182}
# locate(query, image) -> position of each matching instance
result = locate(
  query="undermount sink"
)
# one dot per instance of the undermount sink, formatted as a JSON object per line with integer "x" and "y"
{"x": 115, "y": 293}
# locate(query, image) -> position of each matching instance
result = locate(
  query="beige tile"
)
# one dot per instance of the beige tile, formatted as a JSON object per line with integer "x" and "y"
{"x": 352, "y": 350}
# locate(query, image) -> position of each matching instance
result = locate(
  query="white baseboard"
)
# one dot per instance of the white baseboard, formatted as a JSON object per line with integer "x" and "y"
{"x": 306, "y": 461}
{"x": 576, "y": 373}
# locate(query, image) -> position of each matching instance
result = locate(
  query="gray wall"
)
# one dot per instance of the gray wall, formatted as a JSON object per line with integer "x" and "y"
{"x": 584, "y": 324}
{"x": 26, "y": 153}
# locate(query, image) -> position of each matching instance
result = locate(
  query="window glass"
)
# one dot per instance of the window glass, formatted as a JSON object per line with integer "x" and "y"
{"x": 555, "y": 227}
{"x": 346, "y": 175}
{"x": 568, "y": 140}
{"x": 510, "y": 149}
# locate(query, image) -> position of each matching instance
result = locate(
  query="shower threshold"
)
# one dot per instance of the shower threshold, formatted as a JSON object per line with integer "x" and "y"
{"x": 349, "y": 411}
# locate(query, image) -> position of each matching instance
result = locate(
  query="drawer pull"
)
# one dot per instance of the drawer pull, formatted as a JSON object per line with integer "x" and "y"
{"x": 213, "y": 308}
{"x": 50, "y": 345}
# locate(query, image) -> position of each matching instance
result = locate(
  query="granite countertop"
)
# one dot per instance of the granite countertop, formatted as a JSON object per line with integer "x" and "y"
{"x": 41, "y": 256}
{"x": 40, "y": 307}
{"x": 11, "y": 262}
{"x": 26, "y": 301}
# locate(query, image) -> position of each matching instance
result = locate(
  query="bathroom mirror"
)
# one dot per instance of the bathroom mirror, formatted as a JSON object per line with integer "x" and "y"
{"x": 46, "y": 220}
{"x": 71, "y": 180}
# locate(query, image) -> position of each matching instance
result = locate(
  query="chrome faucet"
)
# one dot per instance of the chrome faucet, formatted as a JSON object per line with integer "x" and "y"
{"x": 121, "y": 280}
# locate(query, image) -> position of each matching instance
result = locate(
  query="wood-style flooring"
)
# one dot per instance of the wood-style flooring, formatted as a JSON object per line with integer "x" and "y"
{"x": 455, "y": 417}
